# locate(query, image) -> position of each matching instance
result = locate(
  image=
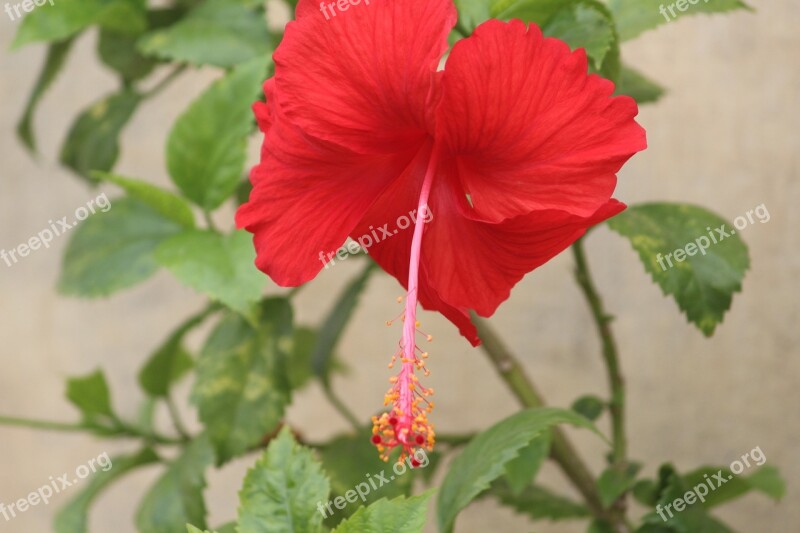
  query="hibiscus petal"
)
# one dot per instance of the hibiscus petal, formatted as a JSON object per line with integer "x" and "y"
{"x": 363, "y": 78}
{"x": 387, "y": 229}
{"x": 474, "y": 263}
{"x": 308, "y": 195}
{"x": 528, "y": 127}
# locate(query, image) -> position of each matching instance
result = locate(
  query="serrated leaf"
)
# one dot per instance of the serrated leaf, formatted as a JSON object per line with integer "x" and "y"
{"x": 484, "y": 458}
{"x": 538, "y": 502}
{"x": 691, "y": 518}
{"x": 614, "y": 481}
{"x": 241, "y": 388}
{"x": 220, "y": 266}
{"x": 282, "y": 491}
{"x": 400, "y": 515}
{"x": 332, "y": 328}
{"x": 114, "y": 250}
{"x": 636, "y": 85}
{"x": 60, "y": 19}
{"x": 217, "y": 32}
{"x": 636, "y": 16}
{"x": 176, "y": 499}
{"x": 206, "y": 148}
{"x": 348, "y": 458}
{"x": 586, "y": 24}
{"x": 521, "y": 472}
{"x": 74, "y": 516}
{"x": 56, "y": 57}
{"x": 704, "y": 283}
{"x": 766, "y": 480}
{"x": 93, "y": 140}
{"x": 91, "y": 395}
{"x": 165, "y": 203}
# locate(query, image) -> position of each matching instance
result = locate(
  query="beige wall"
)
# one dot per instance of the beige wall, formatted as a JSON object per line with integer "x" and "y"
{"x": 726, "y": 137}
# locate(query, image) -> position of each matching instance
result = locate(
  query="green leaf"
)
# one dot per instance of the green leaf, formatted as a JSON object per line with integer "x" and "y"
{"x": 538, "y": 503}
{"x": 56, "y": 56}
{"x": 399, "y": 515}
{"x": 93, "y": 140}
{"x": 589, "y": 406}
{"x": 119, "y": 53}
{"x": 165, "y": 203}
{"x": 299, "y": 368}
{"x": 60, "y": 19}
{"x": 484, "y": 458}
{"x": 177, "y": 497}
{"x": 241, "y": 388}
{"x": 347, "y": 461}
{"x": 90, "y": 394}
{"x": 74, "y": 516}
{"x": 521, "y": 472}
{"x": 171, "y": 360}
{"x": 282, "y": 491}
{"x": 635, "y": 85}
{"x": 206, "y": 148}
{"x": 703, "y": 283}
{"x": 586, "y": 24}
{"x": 332, "y": 328}
{"x": 220, "y": 266}
{"x": 217, "y": 32}
{"x": 114, "y": 250}
{"x": 766, "y": 480}
{"x": 636, "y": 16}
{"x": 615, "y": 481}
{"x": 166, "y": 366}
{"x": 685, "y": 519}
{"x": 472, "y": 12}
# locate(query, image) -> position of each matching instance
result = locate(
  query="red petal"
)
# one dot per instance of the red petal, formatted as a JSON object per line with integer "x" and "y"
{"x": 307, "y": 196}
{"x": 363, "y": 79}
{"x": 392, "y": 252}
{"x": 473, "y": 263}
{"x": 529, "y": 128}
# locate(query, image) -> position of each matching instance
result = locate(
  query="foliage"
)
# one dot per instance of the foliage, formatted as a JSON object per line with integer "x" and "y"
{"x": 256, "y": 356}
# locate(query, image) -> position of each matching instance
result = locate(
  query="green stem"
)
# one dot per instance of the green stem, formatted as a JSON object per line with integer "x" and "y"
{"x": 40, "y": 424}
{"x": 157, "y": 88}
{"x": 342, "y": 408}
{"x": 176, "y": 418}
{"x": 561, "y": 450}
{"x": 119, "y": 430}
{"x": 610, "y": 354}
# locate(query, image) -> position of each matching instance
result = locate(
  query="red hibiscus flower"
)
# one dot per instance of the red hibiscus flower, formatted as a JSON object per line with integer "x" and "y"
{"x": 513, "y": 148}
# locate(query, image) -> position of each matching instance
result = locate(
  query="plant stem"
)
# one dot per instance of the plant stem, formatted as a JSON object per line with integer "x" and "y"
{"x": 119, "y": 430}
{"x": 40, "y": 424}
{"x": 161, "y": 85}
{"x": 561, "y": 450}
{"x": 610, "y": 354}
{"x": 342, "y": 408}
{"x": 176, "y": 418}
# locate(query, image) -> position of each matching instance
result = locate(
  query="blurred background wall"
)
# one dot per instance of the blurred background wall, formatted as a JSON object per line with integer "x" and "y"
{"x": 726, "y": 136}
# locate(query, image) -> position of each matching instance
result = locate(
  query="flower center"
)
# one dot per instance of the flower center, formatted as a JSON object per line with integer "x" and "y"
{"x": 406, "y": 424}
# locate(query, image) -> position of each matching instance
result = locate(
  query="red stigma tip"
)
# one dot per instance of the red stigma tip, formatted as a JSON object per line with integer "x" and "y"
{"x": 376, "y": 439}
{"x": 420, "y": 439}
